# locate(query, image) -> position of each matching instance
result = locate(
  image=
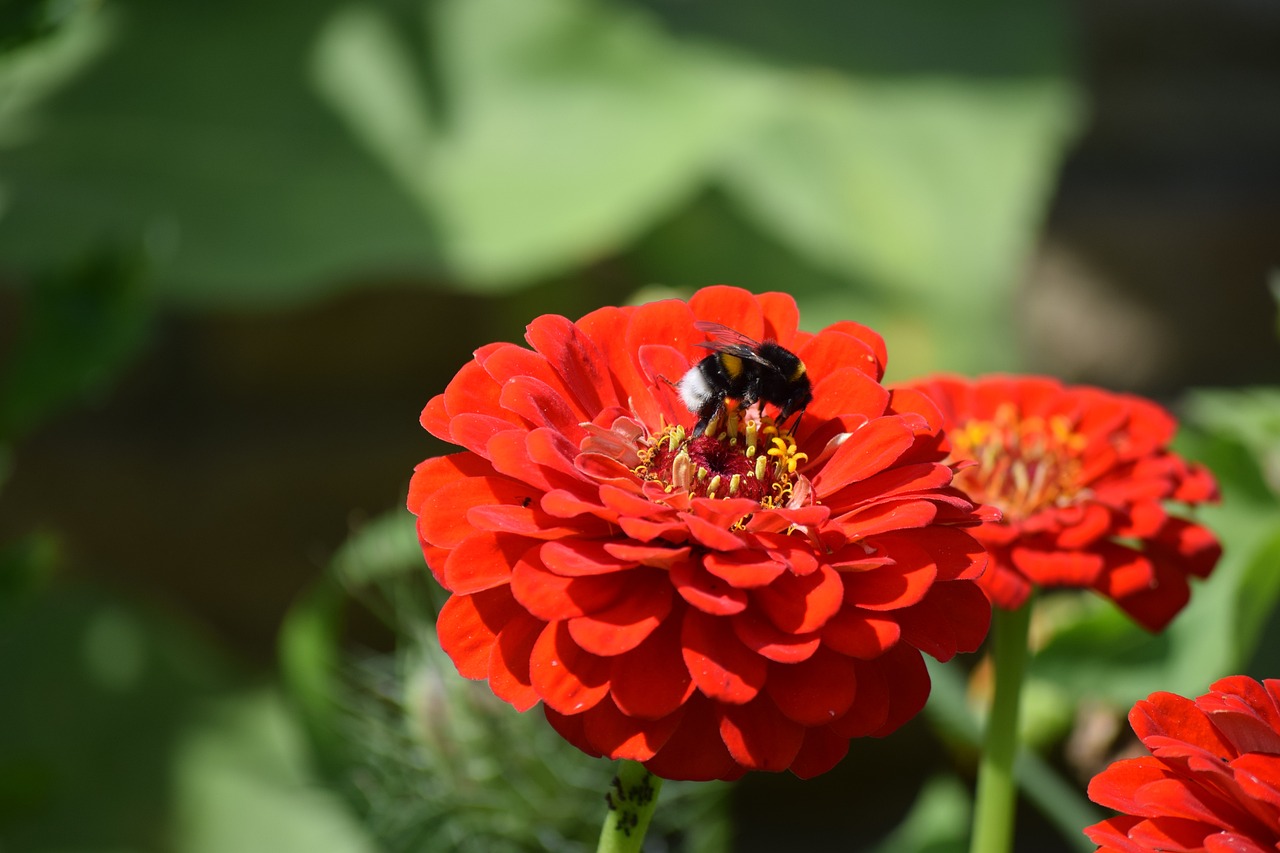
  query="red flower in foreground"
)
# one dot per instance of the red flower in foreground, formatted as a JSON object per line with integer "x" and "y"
{"x": 741, "y": 600}
{"x": 1212, "y": 781}
{"x": 1081, "y": 477}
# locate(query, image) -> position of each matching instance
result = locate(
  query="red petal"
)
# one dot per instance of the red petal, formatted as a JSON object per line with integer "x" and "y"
{"x": 730, "y": 306}
{"x": 658, "y": 556}
{"x": 1171, "y": 835}
{"x": 553, "y": 597}
{"x": 627, "y": 623}
{"x": 868, "y": 450}
{"x": 1057, "y": 568}
{"x": 472, "y": 390}
{"x": 706, "y": 591}
{"x": 474, "y": 431}
{"x": 744, "y": 569}
{"x": 816, "y": 691}
{"x": 549, "y": 448}
{"x": 900, "y": 480}
{"x": 802, "y": 603}
{"x": 531, "y": 521}
{"x": 695, "y": 752}
{"x": 509, "y": 662}
{"x": 509, "y": 454}
{"x": 569, "y": 679}
{"x": 721, "y": 666}
{"x": 571, "y": 728}
{"x": 670, "y": 323}
{"x": 468, "y": 627}
{"x": 848, "y": 392}
{"x": 651, "y": 680}
{"x": 758, "y": 736}
{"x": 766, "y": 640}
{"x": 822, "y": 750}
{"x": 435, "y": 419}
{"x": 541, "y": 406}
{"x": 507, "y": 361}
{"x": 892, "y": 587}
{"x": 618, "y": 736}
{"x": 909, "y": 685}
{"x": 575, "y": 360}
{"x": 781, "y": 317}
{"x": 483, "y": 560}
{"x": 865, "y": 334}
{"x": 830, "y": 352}
{"x": 888, "y": 516}
{"x": 435, "y": 473}
{"x": 1115, "y": 786}
{"x": 648, "y": 531}
{"x": 1112, "y": 835}
{"x": 859, "y": 633}
{"x": 870, "y": 707}
{"x": 711, "y": 536}
{"x": 953, "y": 618}
{"x": 1163, "y": 716}
{"x": 442, "y": 518}
{"x": 575, "y": 557}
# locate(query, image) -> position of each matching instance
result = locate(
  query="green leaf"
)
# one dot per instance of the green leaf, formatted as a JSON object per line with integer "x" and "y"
{"x": 197, "y": 133}
{"x": 242, "y": 783}
{"x": 937, "y": 822}
{"x": 382, "y": 549}
{"x": 568, "y": 126}
{"x": 926, "y": 190}
{"x": 77, "y": 330}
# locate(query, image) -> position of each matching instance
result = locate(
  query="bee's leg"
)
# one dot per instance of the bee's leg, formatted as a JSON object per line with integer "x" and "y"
{"x": 709, "y": 412}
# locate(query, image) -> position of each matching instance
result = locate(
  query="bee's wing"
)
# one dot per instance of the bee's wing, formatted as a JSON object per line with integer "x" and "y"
{"x": 731, "y": 341}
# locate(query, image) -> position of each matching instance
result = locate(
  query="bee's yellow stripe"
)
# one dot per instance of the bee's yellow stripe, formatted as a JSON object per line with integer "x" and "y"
{"x": 732, "y": 365}
{"x": 797, "y": 373}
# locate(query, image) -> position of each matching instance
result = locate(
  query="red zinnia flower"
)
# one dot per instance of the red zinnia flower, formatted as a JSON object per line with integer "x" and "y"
{"x": 1212, "y": 781}
{"x": 1081, "y": 477}
{"x": 710, "y": 604}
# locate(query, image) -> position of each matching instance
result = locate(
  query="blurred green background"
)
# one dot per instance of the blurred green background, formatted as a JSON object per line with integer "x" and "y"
{"x": 241, "y": 245}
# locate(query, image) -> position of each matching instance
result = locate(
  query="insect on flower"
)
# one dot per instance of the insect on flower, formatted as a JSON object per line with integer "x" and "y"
{"x": 745, "y": 370}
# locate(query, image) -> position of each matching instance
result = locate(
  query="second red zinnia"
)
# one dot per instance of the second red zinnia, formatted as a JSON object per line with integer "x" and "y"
{"x": 1082, "y": 477}
{"x": 747, "y": 599}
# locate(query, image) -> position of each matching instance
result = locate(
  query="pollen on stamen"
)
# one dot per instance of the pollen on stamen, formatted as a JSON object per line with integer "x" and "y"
{"x": 1024, "y": 464}
{"x": 736, "y": 457}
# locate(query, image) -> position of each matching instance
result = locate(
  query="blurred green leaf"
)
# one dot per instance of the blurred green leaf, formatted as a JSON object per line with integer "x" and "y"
{"x": 926, "y": 190}
{"x": 1249, "y": 416}
{"x": 77, "y": 329}
{"x": 567, "y": 125}
{"x": 937, "y": 823}
{"x": 31, "y": 73}
{"x": 310, "y": 659}
{"x": 25, "y": 21}
{"x": 242, "y": 783}
{"x": 198, "y": 135}
{"x": 26, "y": 566}
{"x": 97, "y": 692}
{"x": 384, "y": 548}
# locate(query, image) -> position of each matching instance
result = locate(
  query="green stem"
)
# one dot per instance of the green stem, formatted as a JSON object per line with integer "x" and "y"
{"x": 632, "y": 798}
{"x": 997, "y": 793}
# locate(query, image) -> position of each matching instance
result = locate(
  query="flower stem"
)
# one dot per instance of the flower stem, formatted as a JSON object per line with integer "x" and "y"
{"x": 632, "y": 798}
{"x": 997, "y": 793}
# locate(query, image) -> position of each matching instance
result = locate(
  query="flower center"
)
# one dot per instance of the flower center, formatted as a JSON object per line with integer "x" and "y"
{"x": 731, "y": 458}
{"x": 1023, "y": 464}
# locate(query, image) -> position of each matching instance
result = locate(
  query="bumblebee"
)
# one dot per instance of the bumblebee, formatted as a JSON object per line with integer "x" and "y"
{"x": 745, "y": 370}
